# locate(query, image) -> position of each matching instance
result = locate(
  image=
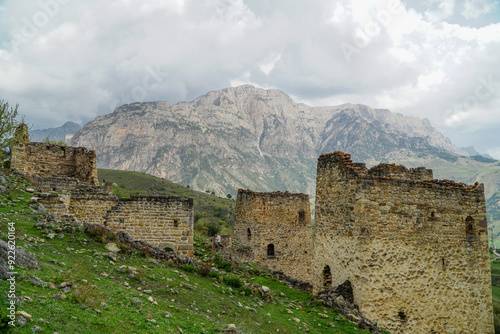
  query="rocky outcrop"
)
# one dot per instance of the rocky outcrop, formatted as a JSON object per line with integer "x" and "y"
{"x": 22, "y": 259}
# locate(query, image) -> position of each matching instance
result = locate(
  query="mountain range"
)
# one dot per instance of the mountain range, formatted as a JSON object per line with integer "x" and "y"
{"x": 64, "y": 132}
{"x": 247, "y": 137}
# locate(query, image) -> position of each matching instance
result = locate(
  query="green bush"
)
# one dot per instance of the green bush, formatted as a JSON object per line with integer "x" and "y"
{"x": 222, "y": 264}
{"x": 189, "y": 268}
{"x": 232, "y": 281}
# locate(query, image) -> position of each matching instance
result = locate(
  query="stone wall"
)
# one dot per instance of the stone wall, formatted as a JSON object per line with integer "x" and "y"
{"x": 415, "y": 250}
{"x": 55, "y": 161}
{"x": 162, "y": 221}
{"x": 277, "y": 228}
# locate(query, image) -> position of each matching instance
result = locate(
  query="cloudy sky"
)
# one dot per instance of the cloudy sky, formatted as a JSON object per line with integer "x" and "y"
{"x": 438, "y": 59}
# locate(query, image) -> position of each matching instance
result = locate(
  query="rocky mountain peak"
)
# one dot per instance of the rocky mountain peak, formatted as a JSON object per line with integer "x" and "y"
{"x": 249, "y": 137}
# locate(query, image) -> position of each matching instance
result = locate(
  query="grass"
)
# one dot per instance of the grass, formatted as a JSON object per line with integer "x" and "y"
{"x": 112, "y": 296}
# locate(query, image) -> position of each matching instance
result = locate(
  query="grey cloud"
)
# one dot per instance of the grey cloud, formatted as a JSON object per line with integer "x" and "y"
{"x": 92, "y": 55}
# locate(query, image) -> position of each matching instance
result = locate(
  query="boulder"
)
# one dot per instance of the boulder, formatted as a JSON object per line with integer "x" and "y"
{"x": 23, "y": 259}
{"x": 112, "y": 247}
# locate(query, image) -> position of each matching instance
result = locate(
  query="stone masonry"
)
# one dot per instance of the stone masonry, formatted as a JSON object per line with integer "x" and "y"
{"x": 277, "y": 228}
{"x": 162, "y": 221}
{"x": 68, "y": 178}
{"x": 414, "y": 249}
{"x": 55, "y": 162}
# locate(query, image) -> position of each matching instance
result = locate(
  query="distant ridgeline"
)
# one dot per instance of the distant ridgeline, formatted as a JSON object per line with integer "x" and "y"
{"x": 413, "y": 249}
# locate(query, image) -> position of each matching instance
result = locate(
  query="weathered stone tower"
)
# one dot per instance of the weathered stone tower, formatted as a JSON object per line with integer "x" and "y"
{"x": 277, "y": 228}
{"x": 63, "y": 166}
{"x": 414, "y": 249}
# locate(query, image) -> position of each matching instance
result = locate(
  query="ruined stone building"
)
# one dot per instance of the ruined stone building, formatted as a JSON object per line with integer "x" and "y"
{"x": 276, "y": 227}
{"x": 54, "y": 166}
{"x": 414, "y": 249}
{"x": 68, "y": 177}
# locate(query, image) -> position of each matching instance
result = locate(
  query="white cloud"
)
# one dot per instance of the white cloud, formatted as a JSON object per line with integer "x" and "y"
{"x": 90, "y": 55}
{"x": 444, "y": 10}
{"x": 476, "y": 8}
{"x": 268, "y": 65}
{"x": 494, "y": 152}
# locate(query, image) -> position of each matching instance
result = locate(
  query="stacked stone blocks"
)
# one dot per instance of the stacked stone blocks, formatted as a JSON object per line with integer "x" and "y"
{"x": 277, "y": 228}
{"x": 68, "y": 177}
{"x": 55, "y": 161}
{"x": 414, "y": 249}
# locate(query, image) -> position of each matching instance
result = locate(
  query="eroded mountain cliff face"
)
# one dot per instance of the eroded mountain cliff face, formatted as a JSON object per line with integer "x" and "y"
{"x": 247, "y": 137}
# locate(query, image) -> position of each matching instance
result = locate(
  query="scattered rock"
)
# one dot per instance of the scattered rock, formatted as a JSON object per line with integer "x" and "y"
{"x": 138, "y": 301}
{"x": 296, "y": 319}
{"x": 168, "y": 315}
{"x": 30, "y": 190}
{"x": 231, "y": 327}
{"x": 112, "y": 247}
{"x": 51, "y": 235}
{"x": 36, "y": 329}
{"x": 111, "y": 255}
{"x": 36, "y": 281}
{"x": 148, "y": 291}
{"x": 23, "y": 317}
{"x": 23, "y": 260}
{"x": 59, "y": 296}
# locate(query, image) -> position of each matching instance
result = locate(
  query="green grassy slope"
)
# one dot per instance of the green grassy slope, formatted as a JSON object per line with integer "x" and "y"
{"x": 104, "y": 298}
{"x": 495, "y": 282}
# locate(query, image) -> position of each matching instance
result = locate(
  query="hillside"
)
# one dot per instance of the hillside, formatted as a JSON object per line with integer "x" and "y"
{"x": 82, "y": 287}
{"x": 247, "y": 137}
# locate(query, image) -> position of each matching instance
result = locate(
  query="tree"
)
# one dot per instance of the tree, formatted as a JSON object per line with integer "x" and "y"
{"x": 8, "y": 126}
{"x": 229, "y": 196}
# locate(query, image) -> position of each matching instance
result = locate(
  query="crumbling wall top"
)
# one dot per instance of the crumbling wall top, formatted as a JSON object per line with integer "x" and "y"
{"x": 159, "y": 198}
{"x": 273, "y": 194}
{"x": 391, "y": 172}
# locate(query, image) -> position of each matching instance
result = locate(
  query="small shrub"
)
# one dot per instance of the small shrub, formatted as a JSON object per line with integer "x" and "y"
{"x": 214, "y": 274}
{"x": 189, "y": 268}
{"x": 222, "y": 264}
{"x": 232, "y": 281}
{"x": 205, "y": 269}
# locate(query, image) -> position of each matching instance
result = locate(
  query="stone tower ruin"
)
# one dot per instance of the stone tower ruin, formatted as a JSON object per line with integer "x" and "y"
{"x": 414, "y": 249}
{"x": 276, "y": 227}
{"x": 68, "y": 177}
